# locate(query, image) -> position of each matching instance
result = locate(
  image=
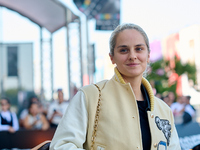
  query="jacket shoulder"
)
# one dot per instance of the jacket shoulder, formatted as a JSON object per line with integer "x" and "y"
{"x": 91, "y": 92}
{"x": 92, "y": 88}
{"x": 161, "y": 104}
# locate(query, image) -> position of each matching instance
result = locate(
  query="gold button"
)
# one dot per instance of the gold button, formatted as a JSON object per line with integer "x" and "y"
{"x": 152, "y": 115}
{"x": 155, "y": 145}
{"x": 133, "y": 116}
{"x": 138, "y": 147}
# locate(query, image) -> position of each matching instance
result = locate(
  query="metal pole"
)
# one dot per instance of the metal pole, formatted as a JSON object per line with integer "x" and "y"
{"x": 2, "y": 70}
{"x": 19, "y": 78}
{"x": 68, "y": 20}
{"x": 68, "y": 61}
{"x": 51, "y": 57}
{"x": 90, "y": 73}
{"x": 81, "y": 50}
{"x": 41, "y": 64}
{"x": 1, "y": 53}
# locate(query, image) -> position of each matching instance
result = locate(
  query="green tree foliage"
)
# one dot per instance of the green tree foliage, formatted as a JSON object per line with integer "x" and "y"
{"x": 160, "y": 73}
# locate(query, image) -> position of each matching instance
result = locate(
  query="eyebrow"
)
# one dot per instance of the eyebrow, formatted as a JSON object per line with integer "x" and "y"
{"x": 139, "y": 45}
{"x": 134, "y": 46}
{"x": 122, "y": 46}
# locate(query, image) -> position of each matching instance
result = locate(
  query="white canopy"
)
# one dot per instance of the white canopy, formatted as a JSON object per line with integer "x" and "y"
{"x": 50, "y": 14}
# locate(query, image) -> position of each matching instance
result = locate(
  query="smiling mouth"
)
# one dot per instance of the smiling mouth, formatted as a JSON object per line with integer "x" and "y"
{"x": 133, "y": 64}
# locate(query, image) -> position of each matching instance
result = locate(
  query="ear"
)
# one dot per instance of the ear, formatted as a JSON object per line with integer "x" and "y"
{"x": 148, "y": 58}
{"x": 112, "y": 59}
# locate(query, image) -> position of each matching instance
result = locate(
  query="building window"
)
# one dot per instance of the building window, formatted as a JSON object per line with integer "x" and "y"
{"x": 12, "y": 59}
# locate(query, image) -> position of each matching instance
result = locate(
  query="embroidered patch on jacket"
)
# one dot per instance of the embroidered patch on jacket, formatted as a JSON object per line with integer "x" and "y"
{"x": 165, "y": 127}
{"x": 100, "y": 148}
{"x": 162, "y": 145}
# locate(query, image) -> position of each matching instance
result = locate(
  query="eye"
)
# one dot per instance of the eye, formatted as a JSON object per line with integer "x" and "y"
{"x": 123, "y": 50}
{"x": 138, "y": 48}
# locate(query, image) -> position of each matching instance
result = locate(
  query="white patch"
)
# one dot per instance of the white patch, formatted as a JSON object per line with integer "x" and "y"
{"x": 100, "y": 148}
{"x": 165, "y": 127}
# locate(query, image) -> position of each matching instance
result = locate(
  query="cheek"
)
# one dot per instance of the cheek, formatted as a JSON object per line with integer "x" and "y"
{"x": 6, "y": 107}
{"x": 34, "y": 111}
{"x": 121, "y": 58}
{"x": 144, "y": 58}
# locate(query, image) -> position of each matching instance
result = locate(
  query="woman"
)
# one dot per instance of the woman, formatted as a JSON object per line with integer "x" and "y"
{"x": 25, "y": 111}
{"x": 8, "y": 119}
{"x": 35, "y": 119}
{"x": 121, "y": 113}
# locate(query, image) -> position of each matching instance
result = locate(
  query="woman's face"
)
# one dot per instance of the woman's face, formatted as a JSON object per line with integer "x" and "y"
{"x": 130, "y": 53}
{"x": 4, "y": 105}
{"x": 34, "y": 109}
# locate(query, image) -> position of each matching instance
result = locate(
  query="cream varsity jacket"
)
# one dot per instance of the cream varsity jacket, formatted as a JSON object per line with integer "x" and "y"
{"x": 118, "y": 122}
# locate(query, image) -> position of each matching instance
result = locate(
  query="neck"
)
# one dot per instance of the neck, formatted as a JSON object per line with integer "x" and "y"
{"x": 134, "y": 81}
{"x": 135, "y": 84}
{"x": 5, "y": 110}
{"x": 138, "y": 93}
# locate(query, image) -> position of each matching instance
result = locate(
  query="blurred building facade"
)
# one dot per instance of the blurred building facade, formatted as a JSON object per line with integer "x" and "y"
{"x": 185, "y": 46}
{"x": 16, "y": 66}
{"x": 189, "y": 50}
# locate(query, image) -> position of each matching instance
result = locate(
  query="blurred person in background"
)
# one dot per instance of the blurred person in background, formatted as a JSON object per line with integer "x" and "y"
{"x": 178, "y": 109}
{"x": 8, "y": 119}
{"x": 171, "y": 97}
{"x": 189, "y": 111}
{"x": 187, "y": 99}
{"x": 166, "y": 99}
{"x": 56, "y": 109}
{"x": 35, "y": 119}
{"x": 159, "y": 95}
{"x": 25, "y": 111}
{"x": 182, "y": 110}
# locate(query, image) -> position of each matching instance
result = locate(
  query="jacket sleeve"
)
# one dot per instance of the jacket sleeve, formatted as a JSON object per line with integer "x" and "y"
{"x": 71, "y": 131}
{"x": 174, "y": 141}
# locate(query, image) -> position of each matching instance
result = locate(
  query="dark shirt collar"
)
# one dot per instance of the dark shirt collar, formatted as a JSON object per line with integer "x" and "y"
{"x": 146, "y": 97}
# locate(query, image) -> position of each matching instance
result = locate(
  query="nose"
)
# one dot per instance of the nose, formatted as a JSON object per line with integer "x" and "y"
{"x": 132, "y": 55}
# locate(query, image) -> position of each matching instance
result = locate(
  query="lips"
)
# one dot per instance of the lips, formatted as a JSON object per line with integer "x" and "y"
{"x": 132, "y": 64}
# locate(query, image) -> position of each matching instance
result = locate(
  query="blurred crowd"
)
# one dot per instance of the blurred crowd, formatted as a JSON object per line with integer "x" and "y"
{"x": 39, "y": 117}
{"x": 35, "y": 116}
{"x": 182, "y": 110}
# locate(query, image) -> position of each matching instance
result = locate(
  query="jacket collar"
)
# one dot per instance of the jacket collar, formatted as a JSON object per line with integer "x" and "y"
{"x": 146, "y": 84}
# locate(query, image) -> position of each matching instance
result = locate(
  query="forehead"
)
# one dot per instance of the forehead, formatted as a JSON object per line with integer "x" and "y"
{"x": 34, "y": 105}
{"x": 130, "y": 35}
{"x": 4, "y": 101}
{"x": 60, "y": 93}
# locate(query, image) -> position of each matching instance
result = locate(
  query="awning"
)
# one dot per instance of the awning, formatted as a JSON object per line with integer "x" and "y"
{"x": 50, "y": 14}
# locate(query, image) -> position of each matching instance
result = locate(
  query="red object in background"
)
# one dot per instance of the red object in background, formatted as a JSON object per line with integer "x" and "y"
{"x": 86, "y": 79}
{"x": 173, "y": 78}
{"x": 171, "y": 47}
{"x": 179, "y": 86}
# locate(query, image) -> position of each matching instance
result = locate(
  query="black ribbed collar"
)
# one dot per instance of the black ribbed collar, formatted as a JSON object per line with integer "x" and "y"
{"x": 146, "y": 97}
